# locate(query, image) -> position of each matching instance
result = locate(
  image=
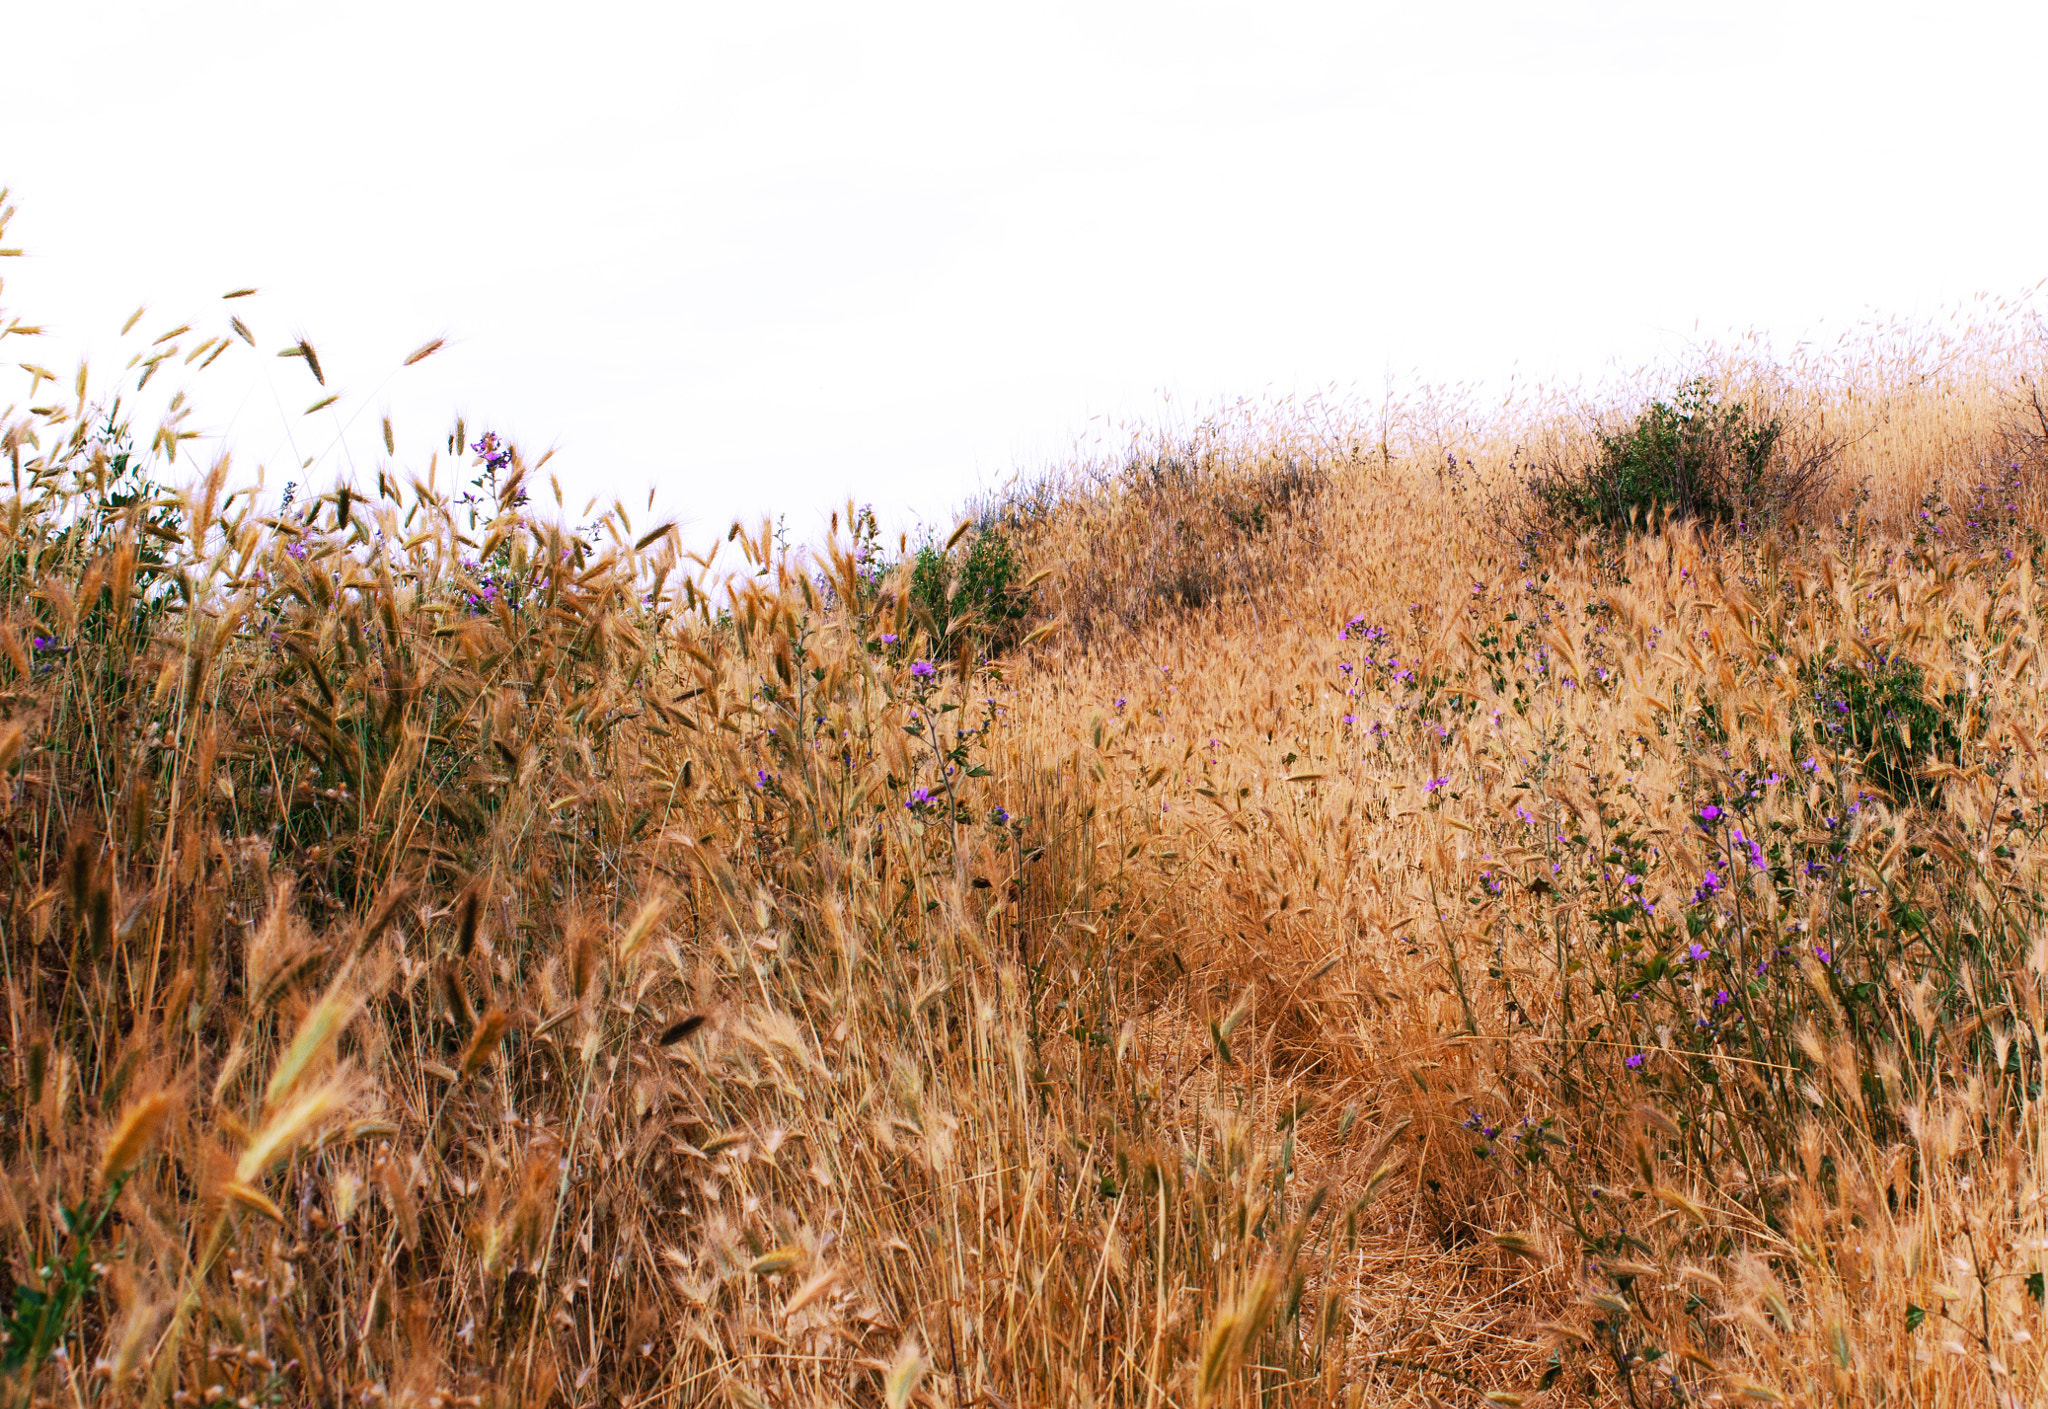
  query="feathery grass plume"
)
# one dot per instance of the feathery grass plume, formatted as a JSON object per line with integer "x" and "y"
{"x": 12, "y": 737}
{"x": 490, "y": 1030}
{"x": 1526, "y": 1246}
{"x": 138, "y": 1330}
{"x": 681, "y": 1028}
{"x": 315, "y": 1040}
{"x": 456, "y": 995}
{"x": 131, "y": 1135}
{"x": 585, "y": 955}
{"x": 99, "y": 910}
{"x": 906, "y": 1373}
{"x": 813, "y": 1288}
{"x": 10, "y": 644}
{"x": 386, "y": 911}
{"x": 640, "y": 930}
{"x": 254, "y": 1200}
{"x": 780, "y": 1259}
{"x": 290, "y": 1125}
{"x": 80, "y": 868}
{"x": 468, "y": 910}
{"x": 1220, "y": 1350}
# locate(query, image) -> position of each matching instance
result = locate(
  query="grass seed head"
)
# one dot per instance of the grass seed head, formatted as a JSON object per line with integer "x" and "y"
{"x": 132, "y": 1134}
{"x": 490, "y": 1031}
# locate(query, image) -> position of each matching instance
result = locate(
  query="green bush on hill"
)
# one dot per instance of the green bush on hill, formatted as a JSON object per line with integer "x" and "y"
{"x": 1693, "y": 458}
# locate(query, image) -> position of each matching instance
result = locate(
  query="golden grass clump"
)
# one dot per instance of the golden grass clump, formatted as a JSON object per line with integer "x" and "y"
{"x": 455, "y": 956}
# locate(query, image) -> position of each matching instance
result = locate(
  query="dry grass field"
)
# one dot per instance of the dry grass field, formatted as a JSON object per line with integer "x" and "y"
{"x": 1350, "y": 941}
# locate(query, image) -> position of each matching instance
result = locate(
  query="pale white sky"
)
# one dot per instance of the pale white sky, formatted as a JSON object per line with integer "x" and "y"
{"x": 764, "y": 256}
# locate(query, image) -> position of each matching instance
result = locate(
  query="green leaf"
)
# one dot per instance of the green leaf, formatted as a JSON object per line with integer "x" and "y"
{"x": 1914, "y": 1316}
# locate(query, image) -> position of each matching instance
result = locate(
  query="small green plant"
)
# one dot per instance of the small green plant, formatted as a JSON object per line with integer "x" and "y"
{"x": 42, "y": 1314}
{"x": 979, "y": 592}
{"x": 1693, "y": 458}
{"x": 1880, "y": 713}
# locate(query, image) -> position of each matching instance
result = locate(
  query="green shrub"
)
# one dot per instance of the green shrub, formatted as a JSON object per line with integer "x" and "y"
{"x": 1880, "y": 713}
{"x": 1693, "y": 458}
{"x": 978, "y": 593}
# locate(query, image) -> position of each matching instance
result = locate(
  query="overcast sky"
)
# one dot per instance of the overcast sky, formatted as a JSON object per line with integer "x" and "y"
{"x": 762, "y": 257}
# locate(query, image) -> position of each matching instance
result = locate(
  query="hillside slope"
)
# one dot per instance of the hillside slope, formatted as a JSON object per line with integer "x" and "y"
{"x": 1356, "y": 954}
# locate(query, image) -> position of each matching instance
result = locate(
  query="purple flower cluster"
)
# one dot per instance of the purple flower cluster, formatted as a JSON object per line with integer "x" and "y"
{"x": 496, "y": 456}
{"x": 1357, "y": 630}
